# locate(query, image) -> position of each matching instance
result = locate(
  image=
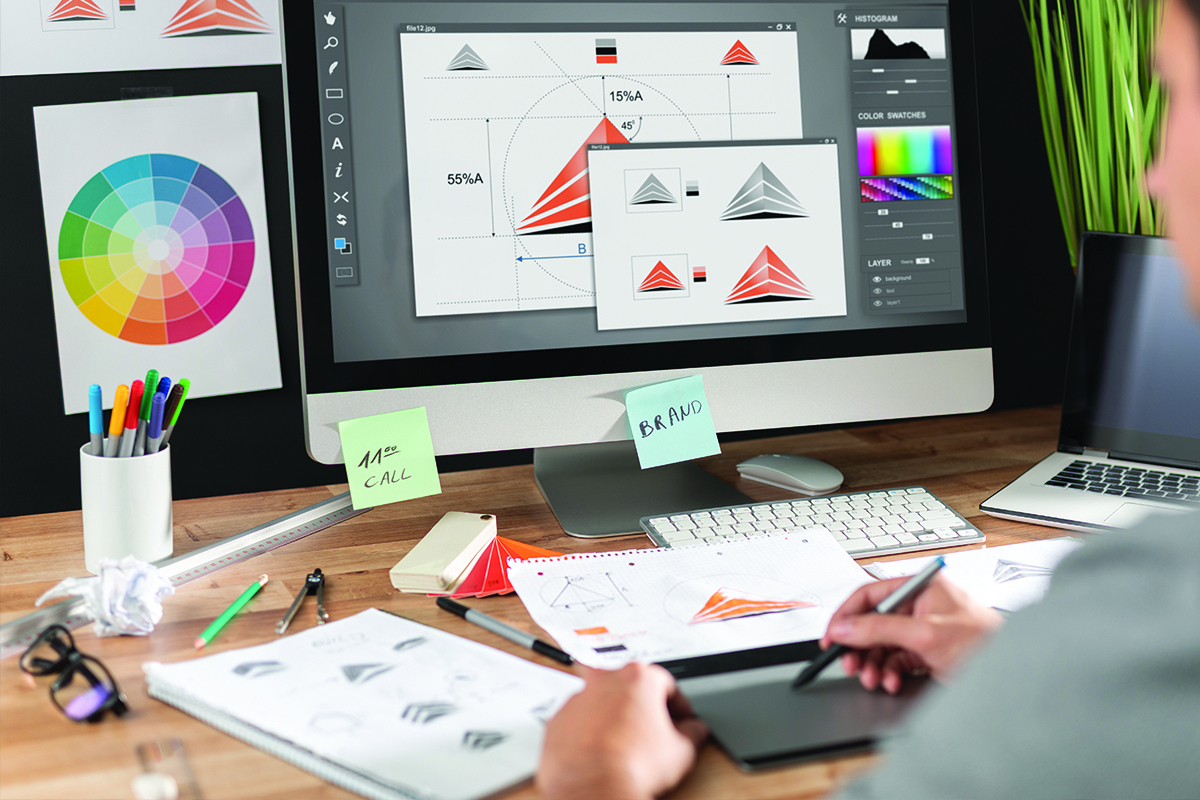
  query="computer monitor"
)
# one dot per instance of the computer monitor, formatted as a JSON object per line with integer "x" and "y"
{"x": 510, "y": 213}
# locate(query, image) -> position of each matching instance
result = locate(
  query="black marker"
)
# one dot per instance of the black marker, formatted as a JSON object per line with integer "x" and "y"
{"x": 507, "y": 631}
{"x": 910, "y": 587}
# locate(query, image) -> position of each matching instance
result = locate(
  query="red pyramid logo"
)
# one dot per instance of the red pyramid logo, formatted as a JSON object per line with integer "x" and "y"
{"x": 739, "y": 54}
{"x": 215, "y": 17}
{"x": 659, "y": 279}
{"x": 566, "y": 203}
{"x": 768, "y": 279}
{"x": 76, "y": 9}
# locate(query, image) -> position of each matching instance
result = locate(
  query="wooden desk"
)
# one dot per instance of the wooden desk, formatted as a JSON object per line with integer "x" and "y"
{"x": 42, "y": 755}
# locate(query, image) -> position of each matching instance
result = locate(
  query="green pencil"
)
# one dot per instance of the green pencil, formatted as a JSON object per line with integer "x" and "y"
{"x": 219, "y": 622}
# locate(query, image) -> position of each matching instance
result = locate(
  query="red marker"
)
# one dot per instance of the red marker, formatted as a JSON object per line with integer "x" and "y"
{"x": 131, "y": 420}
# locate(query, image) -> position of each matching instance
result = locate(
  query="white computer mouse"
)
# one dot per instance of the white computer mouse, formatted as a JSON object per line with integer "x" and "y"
{"x": 792, "y": 472}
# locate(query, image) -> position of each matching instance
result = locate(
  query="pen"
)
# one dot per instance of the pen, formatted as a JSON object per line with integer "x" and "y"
{"x": 218, "y": 623}
{"x": 910, "y": 587}
{"x": 164, "y": 386}
{"x": 96, "y": 420}
{"x": 171, "y": 415}
{"x": 131, "y": 420}
{"x": 139, "y": 444}
{"x": 154, "y": 429}
{"x": 117, "y": 423}
{"x": 507, "y": 631}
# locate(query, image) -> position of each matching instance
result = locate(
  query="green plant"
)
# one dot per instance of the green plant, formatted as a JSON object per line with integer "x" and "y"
{"x": 1101, "y": 108}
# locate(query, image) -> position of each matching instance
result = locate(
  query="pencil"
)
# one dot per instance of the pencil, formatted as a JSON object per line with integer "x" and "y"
{"x": 219, "y": 623}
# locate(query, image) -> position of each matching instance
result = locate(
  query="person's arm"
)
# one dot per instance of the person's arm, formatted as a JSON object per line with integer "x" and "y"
{"x": 629, "y": 735}
{"x": 934, "y": 632}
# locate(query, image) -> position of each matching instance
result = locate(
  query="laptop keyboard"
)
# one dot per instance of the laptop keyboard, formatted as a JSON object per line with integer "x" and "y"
{"x": 864, "y": 523}
{"x": 1094, "y": 476}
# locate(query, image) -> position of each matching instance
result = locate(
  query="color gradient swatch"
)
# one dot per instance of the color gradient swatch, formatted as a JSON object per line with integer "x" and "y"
{"x": 916, "y": 187}
{"x": 905, "y": 151}
{"x": 156, "y": 249}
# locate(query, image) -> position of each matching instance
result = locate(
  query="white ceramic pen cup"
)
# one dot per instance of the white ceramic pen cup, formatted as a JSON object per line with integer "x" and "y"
{"x": 126, "y": 507}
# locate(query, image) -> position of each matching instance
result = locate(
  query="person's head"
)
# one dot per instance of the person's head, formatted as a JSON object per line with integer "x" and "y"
{"x": 1175, "y": 177}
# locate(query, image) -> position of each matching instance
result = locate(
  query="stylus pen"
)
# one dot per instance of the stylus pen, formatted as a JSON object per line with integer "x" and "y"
{"x": 507, "y": 631}
{"x": 910, "y": 587}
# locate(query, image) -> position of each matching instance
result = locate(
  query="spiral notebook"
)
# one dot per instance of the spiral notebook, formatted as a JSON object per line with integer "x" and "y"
{"x": 379, "y": 705}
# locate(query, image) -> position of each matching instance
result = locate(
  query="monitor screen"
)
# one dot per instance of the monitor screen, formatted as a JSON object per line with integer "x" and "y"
{"x": 512, "y": 212}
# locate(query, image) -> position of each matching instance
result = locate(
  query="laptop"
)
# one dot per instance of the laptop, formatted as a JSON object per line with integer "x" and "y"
{"x": 1129, "y": 439}
{"x": 747, "y": 701}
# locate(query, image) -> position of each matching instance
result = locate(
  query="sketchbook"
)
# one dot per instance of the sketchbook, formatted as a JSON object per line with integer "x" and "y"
{"x": 378, "y": 704}
{"x": 607, "y": 609}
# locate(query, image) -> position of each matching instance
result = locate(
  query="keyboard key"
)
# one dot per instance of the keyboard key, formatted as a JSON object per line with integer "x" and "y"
{"x": 857, "y": 545}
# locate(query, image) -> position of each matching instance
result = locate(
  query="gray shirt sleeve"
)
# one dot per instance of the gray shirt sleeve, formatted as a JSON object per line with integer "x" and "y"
{"x": 1094, "y": 692}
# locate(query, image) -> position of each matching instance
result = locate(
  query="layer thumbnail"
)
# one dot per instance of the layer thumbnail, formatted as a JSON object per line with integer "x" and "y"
{"x": 652, "y": 191}
{"x": 660, "y": 279}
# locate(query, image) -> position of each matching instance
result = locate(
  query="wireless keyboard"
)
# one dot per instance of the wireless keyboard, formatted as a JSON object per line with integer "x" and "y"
{"x": 866, "y": 524}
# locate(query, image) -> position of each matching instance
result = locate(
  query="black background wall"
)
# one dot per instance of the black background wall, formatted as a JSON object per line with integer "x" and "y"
{"x": 1030, "y": 282}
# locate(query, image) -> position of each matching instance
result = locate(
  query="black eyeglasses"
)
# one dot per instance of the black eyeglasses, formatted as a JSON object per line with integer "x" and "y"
{"x": 53, "y": 653}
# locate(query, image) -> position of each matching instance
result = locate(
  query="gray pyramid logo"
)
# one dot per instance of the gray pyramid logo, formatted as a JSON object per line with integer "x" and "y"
{"x": 652, "y": 191}
{"x": 482, "y": 740}
{"x": 1014, "y": 570}
{"x": 763, "y": 196}
{"x": 467, "y": 59}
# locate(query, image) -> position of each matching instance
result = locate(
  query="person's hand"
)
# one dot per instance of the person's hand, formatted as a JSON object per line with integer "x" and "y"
{"x": 629, "y": 735}
{"x": 932, "y": 633}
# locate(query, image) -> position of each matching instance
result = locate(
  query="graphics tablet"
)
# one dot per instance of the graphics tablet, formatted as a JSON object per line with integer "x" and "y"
{"x": 747, "y": 701}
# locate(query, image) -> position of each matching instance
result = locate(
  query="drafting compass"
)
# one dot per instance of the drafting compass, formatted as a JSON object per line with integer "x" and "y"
{"x": 313, "y": 584}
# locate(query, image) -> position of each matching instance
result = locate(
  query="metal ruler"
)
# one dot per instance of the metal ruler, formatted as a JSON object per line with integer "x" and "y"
{"x": 71, "y": 613}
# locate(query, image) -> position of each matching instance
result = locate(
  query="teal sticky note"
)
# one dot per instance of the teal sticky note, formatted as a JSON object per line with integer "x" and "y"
{"x": 389, "y": 457}
{"x": 671, "y": 422}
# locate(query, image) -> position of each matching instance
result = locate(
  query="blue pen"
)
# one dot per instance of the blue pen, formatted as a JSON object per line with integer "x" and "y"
{"x": 154, "y": 432}
{"x": 96, "y": 420}
{"x": 164, "y": 386}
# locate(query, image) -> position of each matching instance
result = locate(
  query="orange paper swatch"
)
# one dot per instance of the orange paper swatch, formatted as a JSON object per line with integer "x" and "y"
{"x": 490, "y": 574}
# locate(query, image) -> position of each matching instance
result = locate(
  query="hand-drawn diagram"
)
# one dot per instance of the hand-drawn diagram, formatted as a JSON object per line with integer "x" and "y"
{"x": 498, "y": 155}
{"x": 588, "y": 592}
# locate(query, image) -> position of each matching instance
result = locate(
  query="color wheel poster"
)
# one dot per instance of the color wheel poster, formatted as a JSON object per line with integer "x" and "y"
{"x": 157, "y": 232}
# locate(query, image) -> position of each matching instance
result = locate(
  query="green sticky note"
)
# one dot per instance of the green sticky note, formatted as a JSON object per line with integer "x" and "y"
{"x": 389, "y": 457}
{"x": 670, "y": 422}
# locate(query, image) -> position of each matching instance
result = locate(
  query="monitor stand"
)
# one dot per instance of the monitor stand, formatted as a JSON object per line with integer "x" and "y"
{"x": 600, "y": 489}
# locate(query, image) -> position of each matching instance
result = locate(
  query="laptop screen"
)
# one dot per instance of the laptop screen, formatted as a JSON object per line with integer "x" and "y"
{"x": 1133, "y": 378}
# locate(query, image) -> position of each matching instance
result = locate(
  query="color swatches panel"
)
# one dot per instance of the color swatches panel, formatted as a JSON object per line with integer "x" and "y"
{"x": 915, "y": 187}
{"x": 905, "y": 151}
{"x": 156, "y": 249}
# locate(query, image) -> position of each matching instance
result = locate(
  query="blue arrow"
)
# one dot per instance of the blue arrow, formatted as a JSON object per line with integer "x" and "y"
{"x": 543, "y": 258}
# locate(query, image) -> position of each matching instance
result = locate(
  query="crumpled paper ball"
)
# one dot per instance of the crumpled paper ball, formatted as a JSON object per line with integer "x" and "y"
{"x": 124, "y": 598}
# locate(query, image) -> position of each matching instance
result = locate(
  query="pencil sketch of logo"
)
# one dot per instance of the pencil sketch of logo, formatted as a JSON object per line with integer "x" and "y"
{"x": 425, "y": 713}
{"x": 1014, "y": 570}
{"x": 409, "y": 644}
{"x": 482, "y": 740}
{"x": 361, "y": 673}
{"x": 256, "y": 669}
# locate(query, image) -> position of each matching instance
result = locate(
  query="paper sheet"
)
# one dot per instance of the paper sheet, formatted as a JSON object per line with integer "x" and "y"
{"x": 1008, "y": 577}
{"x": 607, "y": 609}
{"x": 409, "y": 704}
